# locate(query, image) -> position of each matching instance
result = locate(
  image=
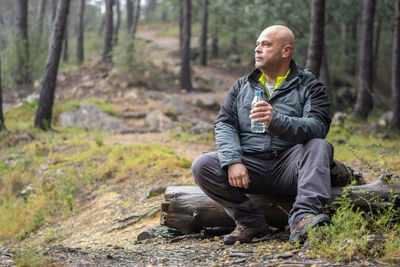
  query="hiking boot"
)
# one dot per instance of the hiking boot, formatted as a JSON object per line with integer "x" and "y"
{"x": 306, "y": 223}
{"x": 245, "y": 234}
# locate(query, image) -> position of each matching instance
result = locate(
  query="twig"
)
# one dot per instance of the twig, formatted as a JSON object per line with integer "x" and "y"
{"x": 180, "y": 238}
{"x": 138, "y": 218}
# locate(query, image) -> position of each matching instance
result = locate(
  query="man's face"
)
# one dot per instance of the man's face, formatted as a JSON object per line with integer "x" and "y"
{"x": 268, "y": 51}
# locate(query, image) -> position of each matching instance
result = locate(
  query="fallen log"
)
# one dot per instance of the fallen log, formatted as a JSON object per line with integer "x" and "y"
{"x": 187, "y": 209}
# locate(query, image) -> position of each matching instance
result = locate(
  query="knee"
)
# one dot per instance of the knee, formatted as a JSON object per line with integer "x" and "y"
{"x": 201, "y": 167}
{"x": 321, "y": 145}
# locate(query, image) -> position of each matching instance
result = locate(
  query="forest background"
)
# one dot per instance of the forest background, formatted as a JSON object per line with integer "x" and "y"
{"x": 352, "y": 46}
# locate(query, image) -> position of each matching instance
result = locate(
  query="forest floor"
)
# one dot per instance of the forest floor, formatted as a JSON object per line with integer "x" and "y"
{"x": 87, "y": 236}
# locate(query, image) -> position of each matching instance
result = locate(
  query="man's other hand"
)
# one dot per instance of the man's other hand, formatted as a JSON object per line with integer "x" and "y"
{"x": 238, "y": 176}
{"x": 262, "y": 112}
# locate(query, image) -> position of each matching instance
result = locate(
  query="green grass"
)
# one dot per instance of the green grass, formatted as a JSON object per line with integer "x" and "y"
{"x": 59, "y": 164}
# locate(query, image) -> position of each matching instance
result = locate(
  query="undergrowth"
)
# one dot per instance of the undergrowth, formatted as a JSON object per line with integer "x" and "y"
{"x": 45, "y": 177}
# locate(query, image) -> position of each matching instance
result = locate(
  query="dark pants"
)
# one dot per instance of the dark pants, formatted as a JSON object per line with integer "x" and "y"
{"x": 302, "y": 170}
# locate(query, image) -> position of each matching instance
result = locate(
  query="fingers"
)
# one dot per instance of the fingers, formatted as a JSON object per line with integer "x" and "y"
{"x": 262, "y": 112}
{"x": 238, "y": 176}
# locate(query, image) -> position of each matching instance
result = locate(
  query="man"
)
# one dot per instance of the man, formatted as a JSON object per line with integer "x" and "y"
{"x": 290, "y": 158}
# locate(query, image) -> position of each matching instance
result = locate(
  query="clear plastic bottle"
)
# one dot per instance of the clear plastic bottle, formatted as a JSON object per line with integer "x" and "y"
{"x": 257, "y": 127}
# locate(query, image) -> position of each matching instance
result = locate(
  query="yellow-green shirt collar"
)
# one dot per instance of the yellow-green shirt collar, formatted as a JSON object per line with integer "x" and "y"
{"x": 279, "y": 80}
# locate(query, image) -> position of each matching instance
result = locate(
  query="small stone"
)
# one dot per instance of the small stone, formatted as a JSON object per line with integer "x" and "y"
{"x": 216, "y": 238}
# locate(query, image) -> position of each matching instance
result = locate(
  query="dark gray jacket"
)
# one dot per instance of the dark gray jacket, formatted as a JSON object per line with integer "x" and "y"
{"x": 301, "y": 112}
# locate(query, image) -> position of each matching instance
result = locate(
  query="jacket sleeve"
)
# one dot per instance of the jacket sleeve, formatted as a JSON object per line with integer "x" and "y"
{"x": 227, "y": 129}
{"x": 315, "y": 121}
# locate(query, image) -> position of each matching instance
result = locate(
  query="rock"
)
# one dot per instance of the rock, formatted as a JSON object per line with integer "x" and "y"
{"x": 154, "y": 95}
{"x": 385, "y": 120}
{"x": 202, "y": 128}
{"x": 155, "y": 190}
{"x": 91, "y": 117}
{"x": 27, "y": 191}
{"x": 61, "y": 77}
{"x": 157, "y": 121}
{"x": 32, "y": 97}
{"x": 88, "y": 84}
{"x": 177, "y": 104}
{"x": 210, "y": 104}
{"x": 339, "y": 118}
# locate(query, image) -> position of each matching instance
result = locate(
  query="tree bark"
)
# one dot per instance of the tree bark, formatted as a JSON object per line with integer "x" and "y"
{"x": 188, "y": 209}
{"x": 316, "y": 41}
{"x": 117, "y": 24}
{"x": 40, "y": 15}
{"x": 203, "y": 37}
{"x": 396, "y": 67}
{"x": 80, "y": 51}
{"x": 136, "y": 15}
{"x": 364, "y": 95}
{"x": 22, "y": 70}
{"x": 180, "y": 26}
{"x": 129, "y": 15}
{"x": 108, "y": 38}
{"x": 2, "y": 124}
{"x": 54, "y": 10}
{"x": 324, "y": 72}
{"x": 377, "y": 38}
{"x": 186, "y": 82}
{"x": 48, "y": 87}
{"x": 65, "y": 46}
{"x": 214, "y": 47}
{"x": 351, "y": 45}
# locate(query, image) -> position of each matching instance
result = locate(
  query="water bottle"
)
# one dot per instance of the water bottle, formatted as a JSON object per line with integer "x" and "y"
{"x": 257, "y": 127}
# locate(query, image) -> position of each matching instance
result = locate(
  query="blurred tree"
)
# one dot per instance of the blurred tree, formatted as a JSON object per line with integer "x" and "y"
{"x": 81, "y": 31}
{"x": 108, "y": 38}
{"x": 40, "y": 15}
{"x": 351, "y": 44}
{"x": 54, "y": 10}
{"x": 203, "y": 37}
{"x": 48, "y": 86}
{"x": 316, "y": 41}
{"x": 65, "y": 43}
{"x": 129, "y": 14}
{"x": 136, "y": 16}
{"x": 117, "y": 24}
{"x": 22, "y": 70}
{"x": 364, "y": 102}
{"x": 396, "y": 67}
{"x": 186, "y": 82}
{"x": 2, "y": 124}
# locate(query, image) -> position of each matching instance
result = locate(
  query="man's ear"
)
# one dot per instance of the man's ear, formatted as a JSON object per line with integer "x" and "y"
{"x": 287, "y": 51}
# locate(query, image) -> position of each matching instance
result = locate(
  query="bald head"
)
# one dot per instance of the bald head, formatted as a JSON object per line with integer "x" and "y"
{"x": 273, "y": 52}
{"x": 281, "y": 33}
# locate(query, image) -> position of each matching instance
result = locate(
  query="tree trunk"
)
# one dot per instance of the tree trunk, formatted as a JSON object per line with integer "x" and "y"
{"x": 129, "y": 16}
{"x": 118, "y": 9}
{"x": 396, "y": 67}
{"x": 376, "y": 38}
{"x": 2, "y": 124}
{"x": 108, "y": 38}
{"x": 102, "y": 24}
{"x": 203, "y": 37}
{"x": 22, "y": 70}
{"x": 188, "y": 209}
{"x": 186, "y": 82}
{"x": 316, "y": 41}
{"x": 136, "y": 15}
{"x": 54, "y": 10}
{"x": 65, "y": 46}
{"x": 48, "y": 87}
{"x": 351, "y": 45}
{"x": 180, "y": 26}
{"x": 40, "y": 15}
{"x": 324, "y": 73}
{"x": 80, "y": 53}
{"x": 214, "y": 47}
{"x": 364, "y": 95}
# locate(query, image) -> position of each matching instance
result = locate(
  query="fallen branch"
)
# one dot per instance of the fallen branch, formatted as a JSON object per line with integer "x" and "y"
{"x": 148, "y": 214}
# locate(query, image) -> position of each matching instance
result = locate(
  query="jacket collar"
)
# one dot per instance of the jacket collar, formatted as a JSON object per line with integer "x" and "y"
{"x": 255, "y": 75}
